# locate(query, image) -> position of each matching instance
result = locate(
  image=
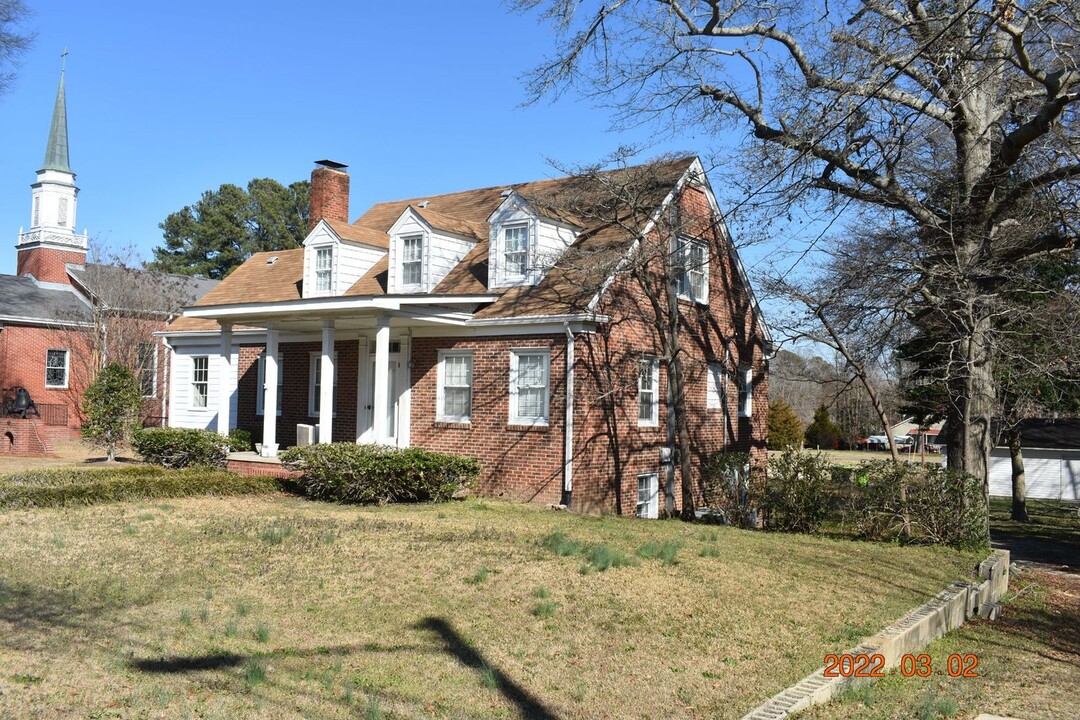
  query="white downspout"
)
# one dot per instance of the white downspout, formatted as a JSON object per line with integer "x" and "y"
{"x": 568, "y": 448}
{"x": 165, "y": 399}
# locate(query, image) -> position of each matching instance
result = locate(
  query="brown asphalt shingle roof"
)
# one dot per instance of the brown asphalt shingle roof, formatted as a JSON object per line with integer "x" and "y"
{"x": 562, "y": 290}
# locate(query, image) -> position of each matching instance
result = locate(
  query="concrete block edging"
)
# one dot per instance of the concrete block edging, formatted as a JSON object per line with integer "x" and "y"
{"x": 946, "y": 611}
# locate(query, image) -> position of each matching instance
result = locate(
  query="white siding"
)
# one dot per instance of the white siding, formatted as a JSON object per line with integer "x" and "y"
{"x": 181, "y": 411}
{"x": 440, "y": 254}
{"x": 350, "y": 262}
{"x": 1050, "y": 474}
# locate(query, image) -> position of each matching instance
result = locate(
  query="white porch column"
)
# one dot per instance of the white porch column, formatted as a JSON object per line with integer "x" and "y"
{"x": 269, "y": 390}
{"x": 382, "y": 367}
{"x": 224, "y": 379}
{"x": 326, "y": 389}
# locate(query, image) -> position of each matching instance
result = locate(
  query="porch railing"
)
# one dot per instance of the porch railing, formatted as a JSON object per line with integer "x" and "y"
{"x": 53, "y": 414}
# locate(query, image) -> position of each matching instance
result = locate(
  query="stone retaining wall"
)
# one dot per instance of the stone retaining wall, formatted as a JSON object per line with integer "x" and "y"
{"x": 946, "y": 611}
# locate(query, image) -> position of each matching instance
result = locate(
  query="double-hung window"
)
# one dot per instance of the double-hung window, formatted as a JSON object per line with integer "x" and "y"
{"x": 529, "y": 375}
{"x": 147, "y": 359}
{"x": 412, "y": 261}
{"x": 693, "y": 269}
{"x": 648, "y": 501}
{"x": 324, "y": 266}
{"x": 315, "y": 384}
{"x": 455, "y": 386}
{"x": 515, "y": 250}
{"x": 648, "y": 392}
{"x": 200, "y": 380}
{"x": 259, "y": 404}
{"x": 56, "y": 368}
{"x": 746, "y": 392}
{"x": 714, "y": 399}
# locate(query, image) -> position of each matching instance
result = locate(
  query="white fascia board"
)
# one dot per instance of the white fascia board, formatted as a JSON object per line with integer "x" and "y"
{"x": 444, "y": 299}
{"x": 40, "y": 322}
{"x": 408, "y": 212}
{"x": 329, "y": 304}
{"x": 531, "y": 329}
{"x": 539, "y": 319}
{"x": 257, "y": 332}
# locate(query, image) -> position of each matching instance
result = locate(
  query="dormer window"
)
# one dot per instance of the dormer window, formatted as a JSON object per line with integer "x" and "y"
{"x": 412, "y": 261}
{"x": 324, "y": 264}
{"x": 516, "y": 250}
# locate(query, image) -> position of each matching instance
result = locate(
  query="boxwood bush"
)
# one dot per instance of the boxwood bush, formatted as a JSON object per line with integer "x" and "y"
{"x": 67, "y": 487}
{"x": 180, "y": 447}
{"x": 797, "y": 491}
{"x": 350, "y": 473}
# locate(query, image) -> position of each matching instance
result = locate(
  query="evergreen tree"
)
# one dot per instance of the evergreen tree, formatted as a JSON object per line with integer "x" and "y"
{"x": 111, "y": 406}
{"x": 785, "y": 428}
{"x": 823, "y": 432}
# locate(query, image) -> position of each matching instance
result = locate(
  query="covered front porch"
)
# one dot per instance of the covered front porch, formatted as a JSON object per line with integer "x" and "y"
{"x": 278, "y": 386}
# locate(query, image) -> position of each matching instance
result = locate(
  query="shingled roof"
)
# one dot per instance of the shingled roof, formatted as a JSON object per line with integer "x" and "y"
{"x": 466, "y": 213}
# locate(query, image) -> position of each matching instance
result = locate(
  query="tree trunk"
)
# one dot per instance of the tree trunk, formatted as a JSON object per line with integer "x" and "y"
{"x": 1019, "y": 479}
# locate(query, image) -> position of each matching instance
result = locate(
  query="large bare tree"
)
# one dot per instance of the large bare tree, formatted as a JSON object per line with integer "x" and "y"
{"x": 947, "y": 120}
{"x": 15, "y": 39}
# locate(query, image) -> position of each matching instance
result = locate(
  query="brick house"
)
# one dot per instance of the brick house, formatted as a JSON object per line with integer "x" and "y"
{"x": 500, "y": 323}
{"x": 48, "y": 317}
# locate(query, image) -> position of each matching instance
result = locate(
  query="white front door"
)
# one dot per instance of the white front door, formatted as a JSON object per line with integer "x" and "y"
{"x": 393, "y": 400}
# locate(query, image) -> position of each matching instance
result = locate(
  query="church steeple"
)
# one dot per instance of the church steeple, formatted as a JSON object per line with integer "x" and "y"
{"x": 51, "y": 244}
{"x": 56, "y": 152}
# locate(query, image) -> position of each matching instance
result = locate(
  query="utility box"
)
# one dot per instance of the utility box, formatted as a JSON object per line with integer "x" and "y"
{"x": 305, "y": 434}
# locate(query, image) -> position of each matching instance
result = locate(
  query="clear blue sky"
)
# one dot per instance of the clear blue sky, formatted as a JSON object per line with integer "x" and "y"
{"x": 166, "y": 100}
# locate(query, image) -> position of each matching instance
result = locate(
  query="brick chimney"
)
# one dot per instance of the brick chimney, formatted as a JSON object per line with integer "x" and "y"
{"x": 329, "y": 193}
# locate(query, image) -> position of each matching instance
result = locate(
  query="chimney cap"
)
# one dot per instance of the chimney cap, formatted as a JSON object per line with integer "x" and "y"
{"x": 332, "y": 164}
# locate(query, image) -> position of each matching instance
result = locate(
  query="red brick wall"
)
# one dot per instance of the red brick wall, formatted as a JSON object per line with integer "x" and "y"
{"x": 22, "y": 364}
{"x": 329, "y": 196}
{"x": 610, "y": 450}
{"x": 296, "y": 361}
{"x": 519, "y": 463}
{"x": 48, "y": 264}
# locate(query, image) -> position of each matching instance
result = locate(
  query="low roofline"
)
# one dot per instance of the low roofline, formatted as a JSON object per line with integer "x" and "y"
{"x": 43, "y": 322}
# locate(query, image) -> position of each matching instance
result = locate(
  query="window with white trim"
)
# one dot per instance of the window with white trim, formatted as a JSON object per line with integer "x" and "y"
{"x": 746, "y": 392}
{"x": 529, "y": 389}
{"x": 315, "y": 384}
{"x": 324, "y": 266}
{"x": 56, "y": 368}
{"x": 259, "y": 398}
{"x": 147, "y": 361}
{"x": 716, "y": 385}
{"x": 692, "y": 259}
{"x": 454, "y": 401}
{"x": 412, "y": 261}
{"x": 648, "y": 495}
{"x": 648, "y": 392}
{"x": 200, "y": 380}
{"x": 516, "y": 250}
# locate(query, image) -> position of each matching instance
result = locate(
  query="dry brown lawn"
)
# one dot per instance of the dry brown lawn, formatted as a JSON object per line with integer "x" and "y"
{"x": 68, "y": 453}
{"x": 274, "y": 607}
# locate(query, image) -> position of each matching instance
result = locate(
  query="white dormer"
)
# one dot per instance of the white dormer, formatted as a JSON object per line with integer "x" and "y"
{"x": 523, "y": 246}
{"x": 333, "y": 263}
{"x": 423, "y": 250}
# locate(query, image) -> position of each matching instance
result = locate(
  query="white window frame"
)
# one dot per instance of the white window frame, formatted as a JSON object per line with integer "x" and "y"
{"x": 650, "y": 509}
{"x": 314, "y": 368}
{"x": 653, "y": 373}
{"x": 328, "y": 250}
{"x": 440, "y": 407}
{"x": 195, "y": 382}
{"x": 746, "y": 392}
{"x": 515, "y": 357}
{"x": 505, "y": 230}
{"x": 260, "y": 405}
{"x": 715, "y": 387}
{"x": 685, "y": 280}
{"x": 152, "y": 368}
{"x": 419, "y": 261}
{"x": 66, "y": 368}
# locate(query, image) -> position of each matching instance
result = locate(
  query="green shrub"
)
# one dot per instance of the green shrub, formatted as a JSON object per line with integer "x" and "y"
{"x": 797, "y": 491}
{"x": 240, "y": 440}
{"x": 350, "y": 473}
{"x": 726, "y": 488}
{"x": 180, "y": 447}
{"x": 111, "y": 405}
{"x": 62, "y": 488}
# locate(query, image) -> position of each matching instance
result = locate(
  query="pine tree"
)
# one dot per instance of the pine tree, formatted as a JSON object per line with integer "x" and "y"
{"x": 785, "y": 428}
{"x": 823, "y": 432}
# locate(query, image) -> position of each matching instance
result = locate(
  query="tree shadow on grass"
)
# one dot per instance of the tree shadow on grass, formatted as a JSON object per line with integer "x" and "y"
{"x": 187, "y": 663}
{"x": 454, "y": 644}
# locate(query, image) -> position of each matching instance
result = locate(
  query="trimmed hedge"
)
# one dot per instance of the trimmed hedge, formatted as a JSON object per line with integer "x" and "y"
{"x": 63, "y": 488}
{"x": 180, "y": 447}
{"x": 350, "y": 473}
{"x": 797, "y": 493}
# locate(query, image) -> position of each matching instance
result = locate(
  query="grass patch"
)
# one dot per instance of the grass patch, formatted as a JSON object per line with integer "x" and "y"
{"x": 380, "y": 616}
{"x": 277, "y": 534}
{"x": 478, "y": 577}
{"x": 558, "y": 543}
{"x": 70, "y": 487}
{"x": 599, "y": 557}
{"x": 709, "y": 551}
{"x": 255, "y": 672}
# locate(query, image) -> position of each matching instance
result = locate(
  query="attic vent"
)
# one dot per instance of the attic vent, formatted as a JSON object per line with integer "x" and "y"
{"x": 423, "y": 203}
{"x": 271, "y": 260}
{"x": 505, "y": 193}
